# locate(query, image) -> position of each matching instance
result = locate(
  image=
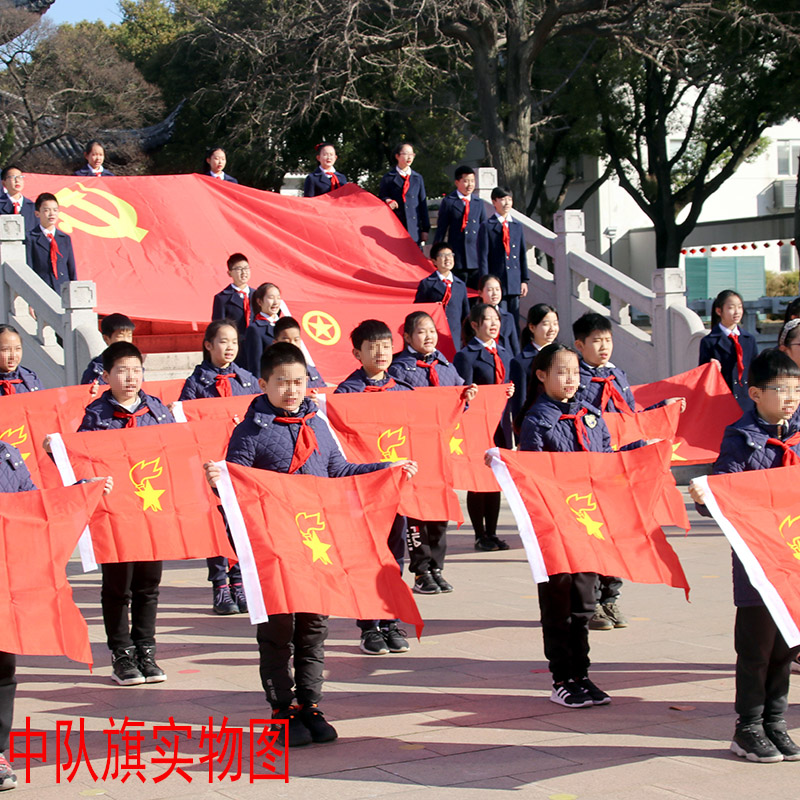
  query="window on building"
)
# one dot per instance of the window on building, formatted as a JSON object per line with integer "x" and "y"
{"x": 788, "y": 153}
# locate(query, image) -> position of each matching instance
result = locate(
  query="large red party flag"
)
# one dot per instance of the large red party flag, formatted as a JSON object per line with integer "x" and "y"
{"x": 161, "y": 507}
{"x": 392, "y": 426}
{"x": 168, "y": 391}
{"x": 710, "y": 408}
{"x": 38, "y": 532}
{"x": 317, "y": 545}
{"x": 473, "y": 436}
{"x": 592, "y": 512}
{"x": 759, "y": 513}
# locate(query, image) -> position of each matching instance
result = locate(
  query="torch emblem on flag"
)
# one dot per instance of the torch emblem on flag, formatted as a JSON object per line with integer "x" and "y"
{"x": 310, "y": 526}
{"x": 581, "y": 505}
{"x": 142, "y": 474}
{"x": 388, "y": 442}
{"x": 793, "y": 543}
{"x": 16, "y": 437}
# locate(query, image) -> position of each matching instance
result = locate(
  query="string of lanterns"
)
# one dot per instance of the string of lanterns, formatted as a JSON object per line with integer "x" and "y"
{"x": 724, "y": 248}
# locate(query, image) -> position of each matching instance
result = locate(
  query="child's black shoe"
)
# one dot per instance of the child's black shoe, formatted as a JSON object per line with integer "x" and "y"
{"x": 223, "y": 602}
{"x": 443, "y": 585}
{"x": 425, "y": 584}
{"x": 751, "y": 742}
{"x": 318, "y": 727}
{"x": 395, "y": 638}
{"x": 299, "y": 735}
{"x": 598, "y": 696}
{"x": 373, "y": 643}
{"x": 776, "y": 733}
{"x": 570, "y": 695}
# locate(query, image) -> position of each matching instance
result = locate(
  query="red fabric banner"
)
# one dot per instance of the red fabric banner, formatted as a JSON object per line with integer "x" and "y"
{"x": 392, "y": 426}
{"x": 473, "y": 436}
{"x": 161, "y": 507}
{"x": 595, "y": 512}
{"x": 38, "y": 532}
{"x": 710, "y": 408}
{"x": 320, "y": 544}
{"x": 656, "y": 423}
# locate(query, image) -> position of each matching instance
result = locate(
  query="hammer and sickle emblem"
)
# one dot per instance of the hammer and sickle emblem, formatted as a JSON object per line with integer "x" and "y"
{"x": 121, "y": 225}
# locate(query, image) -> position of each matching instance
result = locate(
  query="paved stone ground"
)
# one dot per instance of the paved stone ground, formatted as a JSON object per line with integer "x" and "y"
{"x": 464, "y": 714}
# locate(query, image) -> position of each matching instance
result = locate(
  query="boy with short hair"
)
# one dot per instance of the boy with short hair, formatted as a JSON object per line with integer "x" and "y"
{"x": 501, "y": 251}
{"x": 49, "y": 250}
{"x": 460, "y": 217}
{"x": 274, "y": 435}
{"x": 287, "y": 329}
{"x": 234, "y": 302}
{"x": 760, "y": 439}
{"x": 12, "y": 200}
{"x": 445, "y": 287}
{"x": 113, "y": 328}
{"x": 132, "y": 645}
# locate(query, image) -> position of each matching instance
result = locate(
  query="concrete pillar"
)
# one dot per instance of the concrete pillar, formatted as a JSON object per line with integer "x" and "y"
{"x": 82, "y": 339}
{"x": 568, "y": 225}
{"x": 669, "y": 287}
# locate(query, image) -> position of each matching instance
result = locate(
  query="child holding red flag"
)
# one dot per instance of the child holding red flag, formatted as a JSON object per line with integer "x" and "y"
{"x": 261, "y": 331}
{"x": 766, "y": 436}
{"x": 483, "y": 361}
{"x": 324, "y": 178}
{"x": 287, "y": 329}
{"x": 132, "y": 643}
{"x": 558, "y": 422}
{"x": 731, "y": 346}
{"x": 14, "y": 378}
{"x": 282, "y": 432}
{"x": 47, "y": 249}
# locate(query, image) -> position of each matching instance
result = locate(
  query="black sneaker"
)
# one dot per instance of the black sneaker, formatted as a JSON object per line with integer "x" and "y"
{"x": 751, "y": 742}
{"x": 125, "y": 670}
{"x": 425, "y": 584}
{"x": 777, "y": 734}
{"x": 486, "y": 545}
{"x": 320, "y": 729}
{"x": 8, "y": 780}
{"x": 598, "y": 696}
{"x": 613, "y": 612}
{"x": 443, "y": 585}
{"x": 299, "y": 734}
{"x": 373, "y": 643}
{"x": 223, "y": 602}
{"x": 146, "y": 660}
{"x": 237, "y": 595}
{"x": 570, "y": 695}
{"x": 502, "y": 544}
{"x": 395, "y": 638}
{"x": 600, "y": 621}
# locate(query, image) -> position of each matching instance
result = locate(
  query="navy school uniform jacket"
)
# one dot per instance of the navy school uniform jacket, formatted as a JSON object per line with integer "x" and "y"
{"x": 30, "y": 380}
{"x": 88, "y": 172}
{"x": 464, "y": 244}
{"x": 99, "y": 415}
{"x": 521, "y": 368}
{"x": 413, "y": 212}
{"x": 228, "y": 304}
{"x": 37, "y": 250}
{"x": 512, "y": 270}
{"x": 318, "y": 182}
{"x": 14, "y": 475}
{"x": 543, "y": 430}
{"x": 258, "y": 441}
{"x": 225, "y": 177}
{"x": 357, "y": 382}
{"x": 314, "y": 379}
{"x": 404, "y": 368}
{"x": 94, "y": 372}
{"x": 202, "y": 382}
{"x": 744, "y": 447}
{"x": 431, "y": 290}
{"x": 260, "y": 335}
{"x": 27, "y": 211}
{"x": 592, "y": 392}
{"x": 718, "y": 345}
{"x": 509, "y": 333}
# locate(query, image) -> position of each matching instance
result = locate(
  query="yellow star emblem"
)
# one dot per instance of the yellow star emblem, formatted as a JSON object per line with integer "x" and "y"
{"x": 592, "y": 526}
{"x": 675, "y": 456}
{"x": 455, "y": 446}
{"x": 321, "y": 327}
{"x": 318, "y": 549}
{"x": 150, "y": 496}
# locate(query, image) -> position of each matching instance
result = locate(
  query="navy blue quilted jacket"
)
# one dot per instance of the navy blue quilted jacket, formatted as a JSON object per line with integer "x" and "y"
{"x": 94, "y": 372}
{"x": 315, "y": 380}
{"x": 356, "y": 382}
{"x": 260, "y": 442}
{"x": 30, "y": 382}
{"x": 592, "y": 392}
{"x": 543, "y": 431}
{"x": 14, "y": 475}
{"x": 99, "y": 415}
{"x": 744, "y": 447}
{"x": 404, "y": 368}
{"x": 201, "y": 383}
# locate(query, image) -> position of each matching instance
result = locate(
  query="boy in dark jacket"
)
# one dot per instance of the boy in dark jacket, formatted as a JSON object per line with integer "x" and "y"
{"x": 282, "y": 432}
{"x": 443, "y": 286}
{"x": 113, "y": 328}
{"x": 760, "y": 439}
{"x": 48, "y": 250}
{"x": 235, "y": 301}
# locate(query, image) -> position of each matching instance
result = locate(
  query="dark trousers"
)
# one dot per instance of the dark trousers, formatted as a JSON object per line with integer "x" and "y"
{"x": 8, "y": 690}
{"x": 483, "y": 509}
{"x": 427, "y": 545}
{"x": 511, "y": 304}
{"x": 219, "y": 572}
{"x": 566, "y": 604}
{"x": 292, "y": 636}
{"x": 397, "y": 547}
{"x": 763, "y": 667}
{"x": 133, "y": 583}
{"x": 471, "y": 278}
{"x": 607, "y": 589}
